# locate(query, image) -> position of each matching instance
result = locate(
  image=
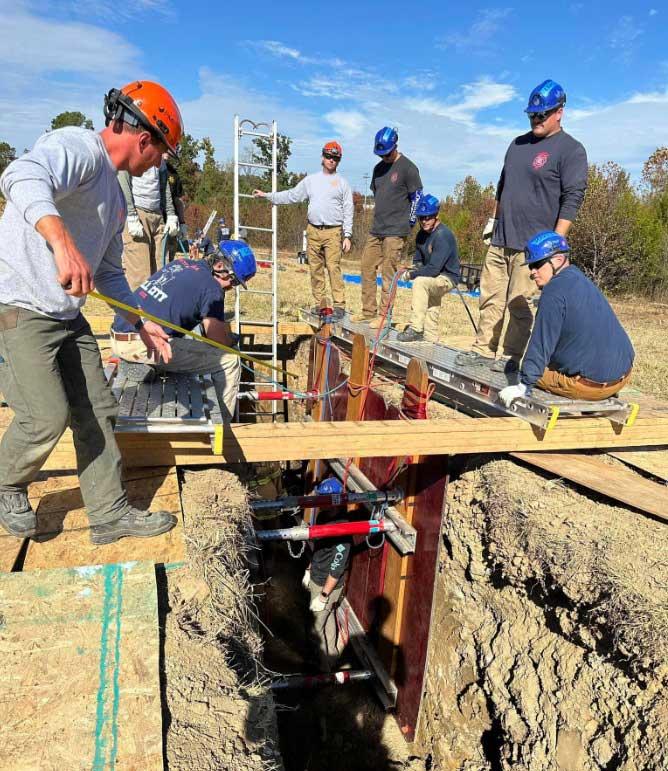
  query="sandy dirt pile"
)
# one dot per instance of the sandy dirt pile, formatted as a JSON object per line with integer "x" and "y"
{"x": 219, "y": 714}
{"x": 551, "y": 624}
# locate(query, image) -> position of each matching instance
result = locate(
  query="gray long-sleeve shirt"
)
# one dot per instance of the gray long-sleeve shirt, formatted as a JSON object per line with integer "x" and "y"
{"x": 151, "y": 191}
{"x": 330, "y": 200}
{"x": 542, "y": 181}
{"x": 68, "y": 174}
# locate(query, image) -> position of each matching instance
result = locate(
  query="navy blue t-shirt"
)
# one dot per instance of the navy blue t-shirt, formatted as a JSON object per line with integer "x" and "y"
{"x": 184, "y": 292}
{"x": 576, "y": 332}
{"x": 436, "y": 253}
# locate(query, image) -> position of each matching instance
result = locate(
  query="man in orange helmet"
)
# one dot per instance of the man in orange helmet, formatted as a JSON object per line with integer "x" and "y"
{"x": 60, "y": 238}
{"x": 330, "y": 217}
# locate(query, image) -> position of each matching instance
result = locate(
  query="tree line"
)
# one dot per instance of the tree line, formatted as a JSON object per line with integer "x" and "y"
{"x": 620, "y": 237}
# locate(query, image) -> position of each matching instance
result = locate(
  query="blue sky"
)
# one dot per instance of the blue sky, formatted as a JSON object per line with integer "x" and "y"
{"x": 454, "y": 79}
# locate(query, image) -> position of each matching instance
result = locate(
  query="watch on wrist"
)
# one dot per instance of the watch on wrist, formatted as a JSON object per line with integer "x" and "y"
{"x": 139, "y": 324}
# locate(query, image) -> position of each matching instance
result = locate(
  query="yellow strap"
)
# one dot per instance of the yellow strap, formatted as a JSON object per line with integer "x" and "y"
{"x": 218, "y": 439}
{"x": 633, "y": 414}
{"x": 190, "y": 333}
{"x": 553, "y": 418}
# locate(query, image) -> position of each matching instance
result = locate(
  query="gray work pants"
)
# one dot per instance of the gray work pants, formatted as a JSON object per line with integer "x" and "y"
{"x": 51, "y": 376}
{"x": 325, "y": 627}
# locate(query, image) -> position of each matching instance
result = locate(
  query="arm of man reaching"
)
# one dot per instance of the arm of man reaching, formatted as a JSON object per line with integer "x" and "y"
{"x": 296, "y": 194}
{"x": 542, "y": 344}
{"x": 219, "y": 331}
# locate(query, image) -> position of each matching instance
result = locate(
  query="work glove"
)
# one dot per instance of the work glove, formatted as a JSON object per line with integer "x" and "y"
{"x": 488, "y": 231}
{"x": 183, "y": 231}
{"x": 306, "y": 579}
{"x": 172, "y": 225}
{"x": 407, "y": 275}
{"x": 318, "y": 604}
{"x": 135, "y": 228}
{"x": 508, "y": 394}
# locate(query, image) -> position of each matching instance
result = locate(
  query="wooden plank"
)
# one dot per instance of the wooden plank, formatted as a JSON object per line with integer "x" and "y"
{"x": 80, "y": 676}
{"x": 63, "y": 525}
{"x": 653, "y": 461}
{"x": 359, "y": 372}
{"x": 254, "y": 443}
{"x": 10, "y": 548}
{"x": 611, "y": 481}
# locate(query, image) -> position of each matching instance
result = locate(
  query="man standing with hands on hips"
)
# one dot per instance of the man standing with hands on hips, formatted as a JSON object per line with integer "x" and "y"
{"x": 330, "y": 218}
{"x": 60, "y": 238}
{"x": 397, "y": 189}
{"x": 541, "y": 187}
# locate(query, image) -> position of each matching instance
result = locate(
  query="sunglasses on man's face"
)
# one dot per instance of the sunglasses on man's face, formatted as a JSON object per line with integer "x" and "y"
{"x": 331, "y": 157}
{"x": 538, "y": 264}
{"x": 539, "y": 117}
{"x": 225, "y": 274}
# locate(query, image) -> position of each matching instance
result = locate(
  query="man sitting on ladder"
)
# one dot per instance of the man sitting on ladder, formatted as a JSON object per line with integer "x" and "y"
{"x": 330, "y": 217}
{"x": 187, "y": 293}
{"x": 578, "y": 348}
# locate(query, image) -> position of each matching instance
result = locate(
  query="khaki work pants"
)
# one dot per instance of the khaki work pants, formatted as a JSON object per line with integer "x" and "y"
{"x": 194, "y": 357}
{"x": 325, "y": 627}
{"x": 505, "y": 285}
{"x": 143, "y": 256}
{"x": 573, "y": 388}
{"x": 380, "y": 253}
{"x": 51, "y": 376}
{"x": 426, "y": 304}
{"x": 324, "y": 252}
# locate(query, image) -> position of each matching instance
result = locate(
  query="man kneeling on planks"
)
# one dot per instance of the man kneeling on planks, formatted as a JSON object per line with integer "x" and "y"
{"x": 578, "y": 348}
{"x": 187, "y": 293}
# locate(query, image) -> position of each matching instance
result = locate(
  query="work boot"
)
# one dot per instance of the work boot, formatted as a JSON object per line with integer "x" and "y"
{"x": 360, "y": 318}
{"x": 16, "y": 515}
{"x": 471, "y": 359}
{"x": 505, "y": 365}
{"x": 136, "y": 523}
{"x": 410, "y": 335}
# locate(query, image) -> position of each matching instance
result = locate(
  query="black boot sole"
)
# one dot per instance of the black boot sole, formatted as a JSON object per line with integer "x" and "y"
{"x": 107, "y": 538}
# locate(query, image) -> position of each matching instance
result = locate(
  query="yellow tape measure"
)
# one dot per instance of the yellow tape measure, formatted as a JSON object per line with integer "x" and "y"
{"x": 190, "y": 333}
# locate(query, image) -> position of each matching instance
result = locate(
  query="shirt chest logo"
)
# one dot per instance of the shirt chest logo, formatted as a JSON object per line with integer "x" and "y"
{"x": 394, "y": 177}
{"x": 540, "y": 160}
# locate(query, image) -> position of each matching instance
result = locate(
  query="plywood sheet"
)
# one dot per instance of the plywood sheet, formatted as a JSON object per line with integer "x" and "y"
{"x": 63, "y": 527}
{"x": 612, "y": 481}
{"x": 79, "y": 682}
{"x": 653, "y": 461}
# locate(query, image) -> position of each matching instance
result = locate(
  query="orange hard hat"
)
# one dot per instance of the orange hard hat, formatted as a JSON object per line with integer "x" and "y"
{"x": 333, "y": 148}
{"x": 147, "y": 104}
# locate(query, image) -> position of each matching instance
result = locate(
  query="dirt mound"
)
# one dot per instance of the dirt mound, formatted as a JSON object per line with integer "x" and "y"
{"x": 219, "y": 713}
{"x": 550, "y": 622}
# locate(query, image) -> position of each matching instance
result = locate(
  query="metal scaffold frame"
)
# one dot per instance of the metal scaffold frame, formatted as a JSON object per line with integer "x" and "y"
{"x": 248, "y": 128}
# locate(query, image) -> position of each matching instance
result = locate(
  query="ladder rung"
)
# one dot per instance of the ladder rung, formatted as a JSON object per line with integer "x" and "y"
{"x": 243, "y": 133}
{"x": 253, "y": 227}
{"x": 255, "y": 165}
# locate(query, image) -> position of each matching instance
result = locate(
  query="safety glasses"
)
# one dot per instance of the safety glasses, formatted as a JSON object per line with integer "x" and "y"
{"x": 538, "y": 264}
{"x": 540, "y": 117}
{"x": 331, "y": 157}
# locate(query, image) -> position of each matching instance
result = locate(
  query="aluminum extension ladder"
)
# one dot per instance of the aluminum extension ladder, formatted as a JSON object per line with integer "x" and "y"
{"x": 248, "y": 128}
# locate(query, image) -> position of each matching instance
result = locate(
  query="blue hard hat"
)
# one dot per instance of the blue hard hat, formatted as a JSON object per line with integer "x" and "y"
{"x": 544, "y": 245}
{"x": 427, "y": 206}
{"x": 329, "y": 486}
{"x": 546, "y": 96}
{"x": 385, "y": 141}
{"x": 240, "y": 259}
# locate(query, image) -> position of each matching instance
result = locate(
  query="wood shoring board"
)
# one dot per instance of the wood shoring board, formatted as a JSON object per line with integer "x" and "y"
{"x": 264, "y": 442}
{"x": 64, "y": 527}
{"x": 611, "y": 481}
{"x": 80, "y": 675}
{"x": 649, "y": 459}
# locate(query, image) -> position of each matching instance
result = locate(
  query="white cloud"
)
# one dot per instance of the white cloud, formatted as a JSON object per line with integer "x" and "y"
{"x": 653, "y": 12}
{"x": 482, "y": 34}
{"x": 107, "y": 10}
{"x": 623, "y": 37}
{"x": 348, "y": 123}
{"x": 480, "y": 95}
{"x": 277, "y": 48}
